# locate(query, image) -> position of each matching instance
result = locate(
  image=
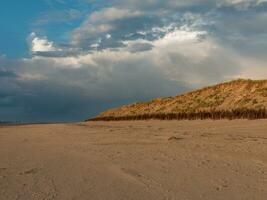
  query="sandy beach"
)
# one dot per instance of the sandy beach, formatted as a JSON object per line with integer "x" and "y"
{"x": 159, "y": 160}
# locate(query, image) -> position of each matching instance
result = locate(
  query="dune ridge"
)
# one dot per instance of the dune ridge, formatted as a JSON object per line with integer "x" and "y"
{"x": 238, "y": 99}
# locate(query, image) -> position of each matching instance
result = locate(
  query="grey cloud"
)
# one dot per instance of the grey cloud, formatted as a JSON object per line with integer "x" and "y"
{"x": 140, "y": 47}
{"x": 133, "y": 20}
{"x": 57, "y": 54}
{"x": 128, "y": 20}
{"x": 74, "y": 88}
{"x": 116, "y": 22}
{"x": 161, "y": 5}
{"x": 77, "y": 93}
{"x": 134, "y": 57}
{"x": 133, "y": 27}
{"x": 7, "y": 73}
{"x": 189, "y": 4}
{"x": 244, "y": 31}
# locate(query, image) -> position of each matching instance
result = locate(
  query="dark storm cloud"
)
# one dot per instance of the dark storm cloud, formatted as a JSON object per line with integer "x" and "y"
{"x": 108, "y": 28}
{"x": 7, "y": 73}
{"x": 132, "y": 20}
{"x": 131, "y": 51}
{"x": 68, "y": 94}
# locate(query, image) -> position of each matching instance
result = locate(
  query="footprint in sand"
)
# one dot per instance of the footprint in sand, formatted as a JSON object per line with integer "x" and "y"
{"x": 128, "y": 175}
{"x": 134, "y": 177}
{"x": 31, "y": 171}
{"x": 3, "y": 169}
{"x": 174, "y": 138}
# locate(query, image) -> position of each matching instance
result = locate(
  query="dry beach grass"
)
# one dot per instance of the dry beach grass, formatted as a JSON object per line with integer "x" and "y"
{"x": 231, "y": 100}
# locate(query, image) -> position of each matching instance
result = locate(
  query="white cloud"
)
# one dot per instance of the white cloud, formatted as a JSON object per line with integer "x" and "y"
{"x": 108, "y": 36}
{"x": 158, "y": 55}
{"x": 31, "y": 77}
{"x": 181, "y": 35}
{"x": 111, "y": 14}
{"x": 241, "y": 4}
{"x": 100, "y": 22}
{"x": 41, "y": 44}
{"x": 261, "y": 1}
{"x": 178, "y": 56}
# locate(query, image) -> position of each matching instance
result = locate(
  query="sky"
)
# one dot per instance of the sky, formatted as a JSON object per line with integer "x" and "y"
{"x": 67, "y": 60}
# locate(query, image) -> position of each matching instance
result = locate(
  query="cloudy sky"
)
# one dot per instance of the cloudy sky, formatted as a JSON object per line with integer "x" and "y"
{"x": 66, "y": 60}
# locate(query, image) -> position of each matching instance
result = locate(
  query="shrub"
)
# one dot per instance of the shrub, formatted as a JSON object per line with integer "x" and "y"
{"x": 241, "y": 113}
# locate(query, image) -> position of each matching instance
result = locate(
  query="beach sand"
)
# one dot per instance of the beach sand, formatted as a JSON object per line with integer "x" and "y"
{"x": 157, "y": 160}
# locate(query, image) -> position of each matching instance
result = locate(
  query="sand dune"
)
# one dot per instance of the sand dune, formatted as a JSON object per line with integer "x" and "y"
{"x": 238, "y": 99}
{"x": 185, "y": 160}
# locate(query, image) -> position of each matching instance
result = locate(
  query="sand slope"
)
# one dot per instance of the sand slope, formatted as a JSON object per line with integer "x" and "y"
{"x": 185, "y": 160}
{"x": 238, "y": 94}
